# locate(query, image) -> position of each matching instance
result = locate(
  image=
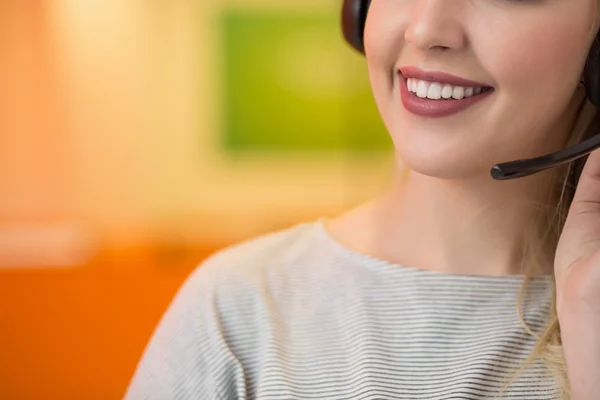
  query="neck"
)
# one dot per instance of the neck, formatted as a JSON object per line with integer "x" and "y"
{"x": 465, "y": 227}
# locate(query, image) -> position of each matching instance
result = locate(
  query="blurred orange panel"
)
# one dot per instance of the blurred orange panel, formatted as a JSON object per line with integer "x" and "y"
{"x": 79, "y": 333}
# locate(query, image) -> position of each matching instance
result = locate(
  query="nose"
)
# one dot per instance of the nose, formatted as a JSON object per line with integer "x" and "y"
{"x": 437, "y": 25}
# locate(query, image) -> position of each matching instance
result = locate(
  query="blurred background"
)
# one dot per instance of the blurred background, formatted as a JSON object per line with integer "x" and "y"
{"x": 136, "y": 138}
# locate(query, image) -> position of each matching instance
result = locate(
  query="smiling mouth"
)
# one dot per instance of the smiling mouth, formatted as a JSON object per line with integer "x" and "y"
{"x": 437, "y": 99}
{"x": 438, "y": 85}
{"x": 443, "y": 91}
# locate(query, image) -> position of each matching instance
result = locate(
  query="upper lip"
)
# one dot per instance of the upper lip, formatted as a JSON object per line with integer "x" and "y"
{"x": 441, "y": 77}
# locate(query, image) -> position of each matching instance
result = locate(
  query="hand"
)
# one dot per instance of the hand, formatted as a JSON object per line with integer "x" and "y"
{"x": 577, "y": 261}
{"x": 577, "y": 274}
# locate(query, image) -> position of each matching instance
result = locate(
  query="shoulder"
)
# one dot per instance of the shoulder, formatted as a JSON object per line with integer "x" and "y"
{"x": 254, "y": 266}
{"x": 248, "y": 286}
{"x": 281, "y": 246}
{"x": 197, "y": 348}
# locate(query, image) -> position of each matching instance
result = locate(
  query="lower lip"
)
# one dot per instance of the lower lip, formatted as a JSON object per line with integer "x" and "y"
{"x": 436, "y": 108}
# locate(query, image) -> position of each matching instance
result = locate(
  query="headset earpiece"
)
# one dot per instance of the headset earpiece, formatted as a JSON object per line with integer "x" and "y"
{"x": 591, "y": 73}
{"x": 354, "y": 14}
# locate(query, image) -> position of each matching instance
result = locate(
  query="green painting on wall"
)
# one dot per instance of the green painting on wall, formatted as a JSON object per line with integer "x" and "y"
{"x": 291, "y": 83}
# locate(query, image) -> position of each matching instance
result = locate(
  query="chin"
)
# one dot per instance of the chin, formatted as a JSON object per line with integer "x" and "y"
{"x": 446, "y": 152}
{"x": 442, "y": 166}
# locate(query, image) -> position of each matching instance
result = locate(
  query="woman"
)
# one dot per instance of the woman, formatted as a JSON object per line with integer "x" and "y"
{"x": 450, "y": 285}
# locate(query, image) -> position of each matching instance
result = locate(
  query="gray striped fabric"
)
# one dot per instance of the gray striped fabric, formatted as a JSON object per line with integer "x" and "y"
{"x": 296, "y": 315}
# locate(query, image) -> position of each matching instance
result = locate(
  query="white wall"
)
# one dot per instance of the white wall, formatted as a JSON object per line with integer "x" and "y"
{"x": 137, "y": 79}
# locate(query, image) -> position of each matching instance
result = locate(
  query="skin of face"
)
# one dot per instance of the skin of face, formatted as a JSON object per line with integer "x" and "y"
{"x": 531, "y": 52}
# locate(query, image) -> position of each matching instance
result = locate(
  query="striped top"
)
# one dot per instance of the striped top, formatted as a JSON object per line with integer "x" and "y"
{"x": 296, "y": 315}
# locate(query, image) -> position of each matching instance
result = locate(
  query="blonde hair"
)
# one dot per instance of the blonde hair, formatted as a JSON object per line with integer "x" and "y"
{"x": 540, "y": 245}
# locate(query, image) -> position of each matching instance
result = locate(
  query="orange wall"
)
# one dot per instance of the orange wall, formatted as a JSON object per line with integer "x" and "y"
{"x": 78, "y": 334}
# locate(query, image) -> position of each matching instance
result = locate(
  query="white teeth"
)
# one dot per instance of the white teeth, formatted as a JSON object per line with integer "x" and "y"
{"x": 412, "y": 85}
{"x": 422, "y": 89}
{"x": 458, "y": 92}
{"x": 437, "y": 90}
{"x": 447, "y": 91}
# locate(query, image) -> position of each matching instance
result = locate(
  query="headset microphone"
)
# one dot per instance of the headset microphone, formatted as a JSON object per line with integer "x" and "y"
{"x": 354, "y": 14}
{"x": 530, "y": 166}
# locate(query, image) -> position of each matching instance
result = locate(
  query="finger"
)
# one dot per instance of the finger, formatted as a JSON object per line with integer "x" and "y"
{"x": 587, "y": 194}
{"x": 581, "y": 232}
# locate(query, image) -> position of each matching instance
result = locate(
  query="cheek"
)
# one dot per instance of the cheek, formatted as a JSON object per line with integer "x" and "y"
{"x": 543, "y": 61}
{"x": 384, "y": 41}
{"x": 536, "y": 72}
{"x": 384, "y": 30}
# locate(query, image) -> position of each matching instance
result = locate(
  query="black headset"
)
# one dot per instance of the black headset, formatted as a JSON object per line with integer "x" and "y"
{"x": 354, "y": 14}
